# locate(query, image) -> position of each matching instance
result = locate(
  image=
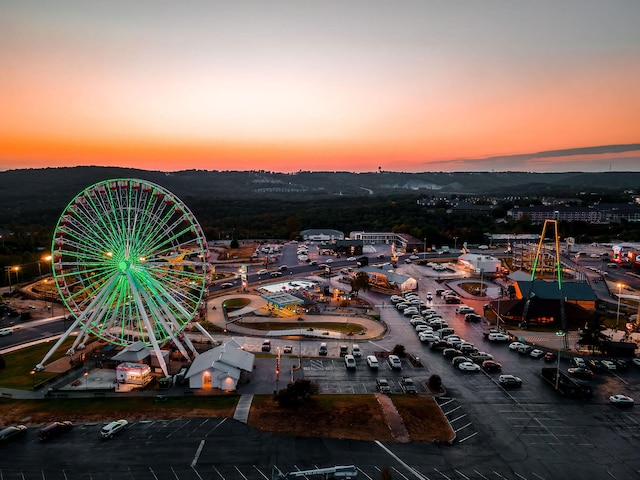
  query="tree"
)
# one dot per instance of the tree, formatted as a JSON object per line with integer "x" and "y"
{"x": 399, "y": 351}
{"x": 359, "y": 282}
{"x": 296, "y": 393}
{"x": 592, "y": 335}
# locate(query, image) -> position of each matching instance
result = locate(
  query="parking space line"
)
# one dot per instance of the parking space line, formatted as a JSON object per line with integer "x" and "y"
{"x": 468, "y": 437}
{"x": 461, "y": 474}
{"x": 241, "y": 474}
{"x": 409, "y": 468}
{"x": 458, "y": 418}
{"x": 364, "y": 473}
{"x": 217, "y": 471}
{"x": 198, "y": 451}
{"x": 400, "y": 473}
{"x": 463, "y": 427}
{"x": 261, "y": 472}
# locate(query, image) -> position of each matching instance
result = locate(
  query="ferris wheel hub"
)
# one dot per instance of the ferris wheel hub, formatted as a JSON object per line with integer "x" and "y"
{"x": 124, "y": 266}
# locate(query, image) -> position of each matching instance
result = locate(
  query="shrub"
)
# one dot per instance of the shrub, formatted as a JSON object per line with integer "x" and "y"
{"x": 435, "y": 383}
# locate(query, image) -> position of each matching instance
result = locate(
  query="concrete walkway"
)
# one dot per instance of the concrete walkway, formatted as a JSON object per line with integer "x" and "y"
{"x": 243, "y": 408}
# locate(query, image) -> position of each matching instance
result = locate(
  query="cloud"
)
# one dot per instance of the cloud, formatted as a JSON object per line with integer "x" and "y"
{"x": 599, "y": 158}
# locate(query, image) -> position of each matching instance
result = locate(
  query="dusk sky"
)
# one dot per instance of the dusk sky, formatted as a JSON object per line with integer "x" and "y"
{"x": 426, "y": 85}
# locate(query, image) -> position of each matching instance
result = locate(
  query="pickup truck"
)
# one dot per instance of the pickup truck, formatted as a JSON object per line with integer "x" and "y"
{"x": 408, "y": 386}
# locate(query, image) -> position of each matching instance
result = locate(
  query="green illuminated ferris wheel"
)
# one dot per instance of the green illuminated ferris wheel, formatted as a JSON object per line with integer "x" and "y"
{"x": 130, "y": 263}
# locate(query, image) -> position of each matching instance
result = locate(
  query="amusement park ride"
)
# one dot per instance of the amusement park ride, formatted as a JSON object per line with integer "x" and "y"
{"x": 130, "y": 263}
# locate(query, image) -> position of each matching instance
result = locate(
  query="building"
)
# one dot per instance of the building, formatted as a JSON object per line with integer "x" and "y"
{"x": 222, "y": 367}
{"x": 321, "y": 235}
{"x": 384, "y": 278}
{"x": 403, "y": 241}
{"x": 478, "y": 263}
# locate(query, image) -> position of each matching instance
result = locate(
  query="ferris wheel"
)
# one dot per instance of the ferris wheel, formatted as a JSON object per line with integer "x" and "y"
{"x": 130, "y": 263}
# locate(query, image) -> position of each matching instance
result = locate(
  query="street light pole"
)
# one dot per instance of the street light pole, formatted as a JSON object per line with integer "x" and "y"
{"x": 455, "y": 243}
{"x": 618, "y": 313}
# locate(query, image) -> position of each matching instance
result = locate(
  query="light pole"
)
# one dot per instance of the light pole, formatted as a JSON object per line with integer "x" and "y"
{"x": 424, "y": 251}
{"x": 618, "y": 312}
{"x": 455, "y": 243}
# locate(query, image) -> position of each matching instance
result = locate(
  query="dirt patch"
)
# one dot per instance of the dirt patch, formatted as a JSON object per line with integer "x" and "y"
{"x": 358, "y": 417}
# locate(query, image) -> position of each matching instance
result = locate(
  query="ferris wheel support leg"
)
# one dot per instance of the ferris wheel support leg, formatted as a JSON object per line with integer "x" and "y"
{"x": 39, "y": 367}
{"x": 147, "y": 323}
{"x": 187, "y": 341}
{"x": 166, "y": 326}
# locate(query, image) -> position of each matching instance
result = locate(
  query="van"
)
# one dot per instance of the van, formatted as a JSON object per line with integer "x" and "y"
{"x": 323, "y": 349}
{"x": 343, "y": 350}
{"x": 355, "y": 351}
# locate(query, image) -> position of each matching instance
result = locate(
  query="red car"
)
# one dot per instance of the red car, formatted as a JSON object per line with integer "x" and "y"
{"x": 549, "y": 357}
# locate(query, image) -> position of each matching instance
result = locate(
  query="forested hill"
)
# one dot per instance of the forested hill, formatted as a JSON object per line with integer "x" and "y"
{"x": 261, "y": 204}
{"x": 50, "y": 189}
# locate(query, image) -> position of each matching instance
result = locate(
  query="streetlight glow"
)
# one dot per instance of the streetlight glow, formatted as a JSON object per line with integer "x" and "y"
{"x": 620, "y": 285}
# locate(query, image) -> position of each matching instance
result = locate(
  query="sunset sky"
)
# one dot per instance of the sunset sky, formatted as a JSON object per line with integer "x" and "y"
{"x": 422, "y": 85}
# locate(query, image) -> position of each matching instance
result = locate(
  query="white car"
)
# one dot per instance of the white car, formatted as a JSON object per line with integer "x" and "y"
{"x": 515, "y": 345}
{"x": 410, "y": 311}
{"x": 110, "y": 429}
{"x": 394, "y": 362}
{"x": 608, "y": 364}
{"x": 329, "y": 260}
{"x": 469, "y": 367}
{"x": 621, "y": 400}
{"x": 428, "y": 337}
{"x": 372, "y": 361}
{"x": 351, "y": 259}
{"x": 349, "y": 362}
{"x": 424, "y": 328}
{"x": 264, "y": 271}
{"x": 537, "y": 353}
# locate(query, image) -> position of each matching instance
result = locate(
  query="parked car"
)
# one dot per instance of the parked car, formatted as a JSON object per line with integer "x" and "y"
{"x": 111, "y": 428}
{"x": 266, "y": 345}
{"x": 464, "y": 309}
{"x": 580, "y": 372}
{"x": 509, "y": 381}
{"x": 439, "y": 345}
{"x": 465, "y": 347}
{"x": 636, "y": 361}
{"x": 621, "y": 400}
{"x": 621, "y": 364}
{"x": 383, "y": 385}
{"x": 525, "y": 349}
{"x": 491, "y": 366}
{"x": 536, "y": 353}
{"x": 372, "y": 362}
{"x": 350, "y": 362}
{"x": 394, "y": 362}
{"x": 609, "y": 365}
{"x": 451, "y": 352}
{"x": 9, "y": 433}
{"x": 428, "y": 337}
{"x": 549, "y": 357}
{"x": 578, "y": 362}
{"x": 498, "y": 337}
{"x": 472, "y": 317}
{"x": 480, "y": 357}
{"x": 452, "y": 299}
{"x": 515, "y": 345}
{"x": 53, "y": 430}
{"x": 455, "y": 361}
{"x": 323, "y": 349}
{"x": 407, "y": 385}
{"x": 595, "y": 365}
{"x": 287, "y": 349}
{"x": 469, "y": 367}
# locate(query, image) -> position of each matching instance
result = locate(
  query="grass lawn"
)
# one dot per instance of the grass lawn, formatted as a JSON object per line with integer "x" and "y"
{"x": 322, "y": 326}
{"x": 19, "y": 364}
